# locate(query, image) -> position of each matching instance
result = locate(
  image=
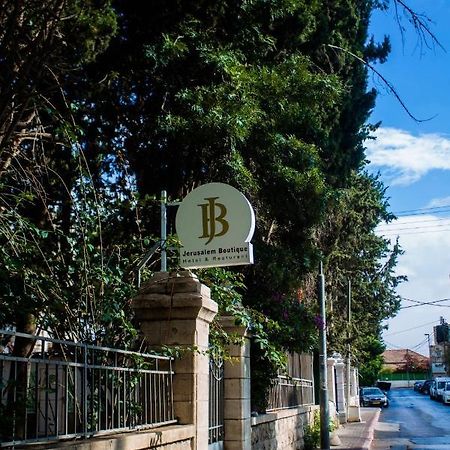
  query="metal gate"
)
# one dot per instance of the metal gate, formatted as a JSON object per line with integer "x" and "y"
{"x": 216, "y": 404}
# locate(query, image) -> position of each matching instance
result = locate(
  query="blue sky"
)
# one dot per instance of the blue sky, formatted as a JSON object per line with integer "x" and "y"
{"x": 413, "y": 159}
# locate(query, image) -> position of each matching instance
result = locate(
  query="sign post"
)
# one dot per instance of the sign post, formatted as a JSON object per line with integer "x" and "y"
{"x": 163, "y": 231}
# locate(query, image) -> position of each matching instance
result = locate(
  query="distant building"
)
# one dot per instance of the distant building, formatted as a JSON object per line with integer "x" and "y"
{"x": 404, "y": 366}
{"x": 404, "y": 360}
{"x": 439, "y": 359}
{"x": 440, "y": 351}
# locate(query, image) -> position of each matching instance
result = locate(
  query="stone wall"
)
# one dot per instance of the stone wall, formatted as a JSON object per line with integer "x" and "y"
{"x": 174, "y": 437}
{"x": 281, "y": 429}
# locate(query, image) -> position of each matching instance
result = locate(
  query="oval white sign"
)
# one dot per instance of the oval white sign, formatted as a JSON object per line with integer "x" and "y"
{"x": 215, "y": 223}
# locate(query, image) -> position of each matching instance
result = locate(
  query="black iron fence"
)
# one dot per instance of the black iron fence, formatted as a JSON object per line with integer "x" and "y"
{"x": 296, "y": 386}
{"x": 216, "y": 403}
{"x": 67, "y": 389}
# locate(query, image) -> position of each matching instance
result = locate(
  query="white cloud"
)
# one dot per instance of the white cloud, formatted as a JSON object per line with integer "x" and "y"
{"x": 406, "y": 158}
{"x": 426, "y": 243}
{"x": 439, "y": 202}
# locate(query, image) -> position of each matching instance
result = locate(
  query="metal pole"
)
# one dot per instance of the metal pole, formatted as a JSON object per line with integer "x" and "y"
{"x": 349, "y": 359}
{"x": 408, "y": 362}
{"x": 324, "y": 407}
{"x": 429, "y": 355}
{"x": 163, "y": 231}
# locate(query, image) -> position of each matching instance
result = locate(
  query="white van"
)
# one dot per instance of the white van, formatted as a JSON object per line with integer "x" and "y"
{"x": 446, "y": 393}
{"x": 438, "y": 387}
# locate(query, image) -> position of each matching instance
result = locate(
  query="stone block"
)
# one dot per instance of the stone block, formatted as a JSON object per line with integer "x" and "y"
{"x": 237, "y": 369}
{"x": 238, "y": 445}
{"x": 171, "y": 282}
{"x": 183, "y": 387}
{"x": 239, "y": 351}
{"x": 202, "y": 387}
{"x": 187, "y": 363}
{"x": 202, "y": 416}
{"x": 184, "y": 411}
{"x": 237, "y": 388}
{"x": 237, "y": 430}
{"x": 181, "y": 332}
{"x": 237, "y": 409}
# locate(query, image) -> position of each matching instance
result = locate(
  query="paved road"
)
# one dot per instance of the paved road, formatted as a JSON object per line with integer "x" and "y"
{"x": 412, "y": 421}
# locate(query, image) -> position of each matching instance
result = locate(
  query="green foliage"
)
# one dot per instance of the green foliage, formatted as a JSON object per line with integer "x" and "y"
{"x": 126, "y": 98}
{"x": 369, "y": 372}
{"x": 357, "y": 254}
{"x": 311, "y": 433}
{"x": 226, "y": 290}
{"x": 289, "y": 326}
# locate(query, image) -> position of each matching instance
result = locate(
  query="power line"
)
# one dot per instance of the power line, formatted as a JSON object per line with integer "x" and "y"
{"x": 423, "y": 227}
{"x": 414, "y": 347}
{"x": 434, "y": 219}
{"x": 426, "y": 303}
{"x": 392, "y": 345}
{"x": 420, "y": 344}
{"x": 433, "y": 209}
{"x": 413, "y": 328}
{"x": 422, "y": 224}
{"x": 415, "y": 232}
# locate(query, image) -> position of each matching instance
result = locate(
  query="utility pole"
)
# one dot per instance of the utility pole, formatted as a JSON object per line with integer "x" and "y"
{"x": 429, "y": 355}
{"x": 349, "y": 359}
{"x": 408, "y": 363}
{"x": 163, "y": 241}
{"x": 324, "y": 407}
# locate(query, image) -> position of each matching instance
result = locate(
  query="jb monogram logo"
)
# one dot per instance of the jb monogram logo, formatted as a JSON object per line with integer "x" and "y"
{"x": 215, "y": 223}
{"x": 213, "y": 214}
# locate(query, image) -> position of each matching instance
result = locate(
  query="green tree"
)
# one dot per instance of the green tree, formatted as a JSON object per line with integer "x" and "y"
{"x": 373, "y": 361}
{"x": 264, "y": 96}
{"x": 104, "y": 104}
{"x": 356, "y": 254}
{"x": 44, "y": 46}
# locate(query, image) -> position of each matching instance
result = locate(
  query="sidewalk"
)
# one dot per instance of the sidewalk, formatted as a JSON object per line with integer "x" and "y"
{"x": 358, "y": 435}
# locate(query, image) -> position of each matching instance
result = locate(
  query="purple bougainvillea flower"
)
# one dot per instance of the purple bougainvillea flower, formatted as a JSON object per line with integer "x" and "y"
{"x": 319, "y": 322}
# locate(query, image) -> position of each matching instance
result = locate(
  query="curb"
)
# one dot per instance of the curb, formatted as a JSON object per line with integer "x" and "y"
{"x": 359, "y": 435}
{"x": 371, "y": 429}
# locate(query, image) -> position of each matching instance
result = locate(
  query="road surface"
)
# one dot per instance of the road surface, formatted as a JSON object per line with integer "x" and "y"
{"x": 412, "y": 421}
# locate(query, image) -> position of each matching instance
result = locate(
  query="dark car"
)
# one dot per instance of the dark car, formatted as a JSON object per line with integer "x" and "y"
{"x": 425, "y": 388}
{"x": 418, "y": 385}
{"x": 373, "y": 396}
{"x": 384, "y": 385}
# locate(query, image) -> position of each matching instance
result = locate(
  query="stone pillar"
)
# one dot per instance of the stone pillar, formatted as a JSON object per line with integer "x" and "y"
{"x": 331, "y": 380}
{"x": 237, "y": 414}
{"x": 175, "y": 309}
{"x": 341, "y": 404}
{"x": 353, "y": 408}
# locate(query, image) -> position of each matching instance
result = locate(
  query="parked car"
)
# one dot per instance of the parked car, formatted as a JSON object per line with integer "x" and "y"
{"x": 446, "y": 393}
{"x": 425, "y": 388}
{"x": 437, "y": 387}
{"x": 385, "y": 386}
{"x": 432, "y": 389}
{"x": 418, "y": 385}
{"x": 373, "y": 396}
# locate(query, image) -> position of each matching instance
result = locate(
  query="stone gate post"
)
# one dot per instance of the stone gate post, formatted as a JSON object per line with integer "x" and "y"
{"x": 353, "y": 407}
{"x": 174, "y": 308}
{"x": 331, "y": 381}
{"x": 237, "y": 414}
{"x": 341, "y": 404}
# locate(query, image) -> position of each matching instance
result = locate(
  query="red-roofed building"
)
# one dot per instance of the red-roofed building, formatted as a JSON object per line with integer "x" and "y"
{"x": 405, "y": 361}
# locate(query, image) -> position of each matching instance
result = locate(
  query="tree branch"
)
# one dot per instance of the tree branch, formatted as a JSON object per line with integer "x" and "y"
{"x": 420, "y": 23}
{"x": 386, "y": 82}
